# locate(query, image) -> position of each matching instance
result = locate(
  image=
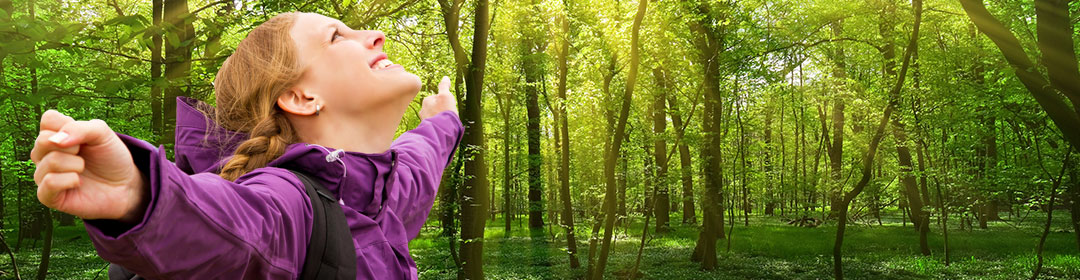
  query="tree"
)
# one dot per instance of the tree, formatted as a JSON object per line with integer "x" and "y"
{"x": 531, "y": 50}
{"x": 662, "y": 202}
{"x": 616, "y": 144}
{"x": 868, "y": 159}
{"x": 180, "y": 32}
{"x": 474, "y": 193}
{"x": 1055, "y": 42}
{"x": 564, "y": 153}
{"x": 708, "y": 43}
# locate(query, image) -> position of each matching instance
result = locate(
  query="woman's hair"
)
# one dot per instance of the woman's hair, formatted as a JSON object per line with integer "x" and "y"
{"x": 264, "y": 65}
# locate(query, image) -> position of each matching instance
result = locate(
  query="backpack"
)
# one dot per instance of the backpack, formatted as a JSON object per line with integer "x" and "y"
{"x": 330, "y": 251}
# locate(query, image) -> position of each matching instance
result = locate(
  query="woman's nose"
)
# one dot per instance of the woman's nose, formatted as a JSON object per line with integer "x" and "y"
{"x": 373, "y": 39}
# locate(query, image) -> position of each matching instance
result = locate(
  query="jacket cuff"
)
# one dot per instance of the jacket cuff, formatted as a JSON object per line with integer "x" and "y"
{"x": 147, "y": 159}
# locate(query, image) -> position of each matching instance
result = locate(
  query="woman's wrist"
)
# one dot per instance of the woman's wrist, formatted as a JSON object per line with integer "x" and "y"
{"x": 140, "y": 199}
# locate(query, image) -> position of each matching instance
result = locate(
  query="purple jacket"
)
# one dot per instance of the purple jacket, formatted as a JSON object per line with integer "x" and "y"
{"x": 204, "y": 227}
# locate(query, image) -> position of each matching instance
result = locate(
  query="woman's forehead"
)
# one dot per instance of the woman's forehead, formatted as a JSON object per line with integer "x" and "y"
{"x": 309, "y": 27}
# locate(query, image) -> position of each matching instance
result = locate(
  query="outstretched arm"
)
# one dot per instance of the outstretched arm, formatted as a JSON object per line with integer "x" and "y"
{"x": 170, "y": 224}
{"x": 423, "y": 153}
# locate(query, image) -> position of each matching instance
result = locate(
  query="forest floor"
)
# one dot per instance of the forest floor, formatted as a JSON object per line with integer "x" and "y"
{"x": 768, "y": 249}
{"x": 771, "y": 249}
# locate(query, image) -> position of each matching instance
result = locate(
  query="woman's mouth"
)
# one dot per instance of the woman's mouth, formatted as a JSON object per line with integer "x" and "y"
{"x": 381, "y": 62}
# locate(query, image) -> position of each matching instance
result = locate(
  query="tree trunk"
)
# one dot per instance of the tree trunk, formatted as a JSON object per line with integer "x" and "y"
{"x": 46, "y": 247}
{"x": 742, "y": 158}
{"x": 916, "y": 201}
{"x": 617, "y": 140}
{"x": 156, "y": 122}
{"x": 836, "y": 147}
{"x": 177, "y": 62}
{"x": 686, "y": 168}
{"x": 661, "y": 205}
{"x": 920, "y": 219}
{"x": 506, "y": 164}
{"x": 879, "y": 133}
{"x": 474, "y": 193}
{"x": 1074, "y": 208}
{"x": 707, "y": 41}
{"x": 531, "y": 68}
{"x": 1049, "y": 215}
{"x": 1049, "y": 13}
{"x": 564, "y": 153}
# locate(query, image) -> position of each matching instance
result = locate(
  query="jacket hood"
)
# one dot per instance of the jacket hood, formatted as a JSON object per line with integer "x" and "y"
{"x": 201, "y": 145}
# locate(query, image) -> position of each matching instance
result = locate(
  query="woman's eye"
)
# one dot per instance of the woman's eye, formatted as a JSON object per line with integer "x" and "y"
{"x": 336, "y": 36}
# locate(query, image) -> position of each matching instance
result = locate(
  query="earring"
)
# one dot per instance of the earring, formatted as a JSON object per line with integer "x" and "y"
{"x": 317, "y": 109}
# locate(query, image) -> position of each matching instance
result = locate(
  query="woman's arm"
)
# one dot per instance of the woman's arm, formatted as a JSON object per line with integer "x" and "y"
{"x": 204, "y": 227}
{"x": 177, "y": 225}
{"x": 423, "y": 154}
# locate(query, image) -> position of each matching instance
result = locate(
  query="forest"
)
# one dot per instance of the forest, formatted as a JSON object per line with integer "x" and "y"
{"x": 664, "y": 139}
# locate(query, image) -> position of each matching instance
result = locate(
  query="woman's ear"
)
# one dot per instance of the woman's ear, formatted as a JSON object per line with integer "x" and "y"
{"x": 298, "y": 102}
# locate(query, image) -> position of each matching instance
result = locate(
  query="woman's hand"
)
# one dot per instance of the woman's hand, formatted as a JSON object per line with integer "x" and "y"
{"x": 84, "y": 169}
{"x": 443, "y": 101}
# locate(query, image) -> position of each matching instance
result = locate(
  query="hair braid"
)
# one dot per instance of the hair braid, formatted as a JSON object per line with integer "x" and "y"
{"x": 268, "y": 140}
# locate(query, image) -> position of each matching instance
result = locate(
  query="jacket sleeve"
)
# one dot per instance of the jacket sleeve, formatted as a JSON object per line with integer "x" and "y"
{"x": 205, "y": 227}
{"x": 423, "y": 153}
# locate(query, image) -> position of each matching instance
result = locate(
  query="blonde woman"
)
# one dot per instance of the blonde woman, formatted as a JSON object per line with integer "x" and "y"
{"x": 301, "y": 92}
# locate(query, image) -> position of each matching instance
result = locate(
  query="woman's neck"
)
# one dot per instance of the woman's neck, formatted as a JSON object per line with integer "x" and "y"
{"x": 372, "y": 132}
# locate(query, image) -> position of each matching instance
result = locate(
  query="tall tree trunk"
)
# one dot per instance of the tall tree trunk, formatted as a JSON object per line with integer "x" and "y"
{"x": 1073, "y": 193}
{"x": 920, "y": 219}
{"x": 564, "y": 153}
{"x": 879, "y": 133}
{"x": 915, "y": 200}
{"x": 662, "y": 203}
{"x": 707, "y": 42}
{"x": 617, "y": 140}
{"x": 1049, "y": 215}
{"x": 450, "y": 190}
{"x": 836, "y": 148}
{"x": 686, "y": 168}
{"x": 177, "y": 62}
{"x": 506, "y": 163}
{"x": 474, "y": 193}
{"x": 531, "y": 68}
{"x": 6, "y": 6}
{"x": 46, "y": 247}
{"x": 742, "y": 157}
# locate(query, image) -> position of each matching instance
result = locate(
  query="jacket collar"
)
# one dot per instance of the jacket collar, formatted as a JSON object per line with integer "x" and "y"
{"x": 359, "y": 180}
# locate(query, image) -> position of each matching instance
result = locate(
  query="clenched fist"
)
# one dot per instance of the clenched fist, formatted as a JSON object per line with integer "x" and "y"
{"x": 443, "y": 101}
{"x": 84, "y": 169}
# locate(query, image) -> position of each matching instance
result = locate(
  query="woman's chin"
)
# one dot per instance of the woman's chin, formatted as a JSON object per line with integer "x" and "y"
{"x": 408, "y": 83}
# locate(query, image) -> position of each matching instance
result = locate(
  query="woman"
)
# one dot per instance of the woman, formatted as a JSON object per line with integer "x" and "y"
{"x": 303, "y": 92}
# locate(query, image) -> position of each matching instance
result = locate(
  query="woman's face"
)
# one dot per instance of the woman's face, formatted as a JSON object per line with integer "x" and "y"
{"x": 347, "y": 69}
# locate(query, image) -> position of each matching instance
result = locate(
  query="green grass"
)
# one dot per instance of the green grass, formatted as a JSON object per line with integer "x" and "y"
{"x": 768, "y": 249}
{"x": 73, "y": 256}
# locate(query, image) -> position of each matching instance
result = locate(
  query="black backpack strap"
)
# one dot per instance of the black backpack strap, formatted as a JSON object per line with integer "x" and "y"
{"x": 330, "y": 250}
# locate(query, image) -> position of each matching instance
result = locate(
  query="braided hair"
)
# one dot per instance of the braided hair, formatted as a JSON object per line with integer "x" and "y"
{"x": 264, "y": 65}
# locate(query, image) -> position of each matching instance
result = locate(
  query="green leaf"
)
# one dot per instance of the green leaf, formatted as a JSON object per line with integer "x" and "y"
{"x": 137, "y": 21}
{"x": 57, "y": 34}
{"x": 173, "y": 39}
{"x": 21, "y": 46}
